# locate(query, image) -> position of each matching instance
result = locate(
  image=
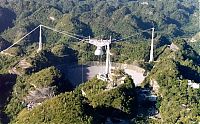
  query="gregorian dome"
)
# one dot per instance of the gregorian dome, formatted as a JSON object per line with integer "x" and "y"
{"x": 98, "y": 51}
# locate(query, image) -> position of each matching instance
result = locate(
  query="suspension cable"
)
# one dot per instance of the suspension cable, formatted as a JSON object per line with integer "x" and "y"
{"x": 67, "y": 34}
{"x": 61, "y": 32}
{"x": 131, "y": 35}
{"x": 74, "y": 34}
{"x": 20, "y": 39}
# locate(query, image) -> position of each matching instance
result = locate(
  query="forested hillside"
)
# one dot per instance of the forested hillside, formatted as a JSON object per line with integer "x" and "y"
{"x": 100, "y": 19}
{"x": 123, "y": 18}
{"x": 178, "y": 102}
{"x": 33, "y": 88}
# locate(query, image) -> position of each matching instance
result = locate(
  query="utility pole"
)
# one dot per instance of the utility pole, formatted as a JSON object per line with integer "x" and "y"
{"x": 40, "y": 40}
{"x": 151, "y": 51}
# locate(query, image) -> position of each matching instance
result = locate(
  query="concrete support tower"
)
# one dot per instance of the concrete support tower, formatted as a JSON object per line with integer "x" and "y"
{"x": 108, "y": 62}
{"x": 151, "y": 51}
{"x": 40, "y": 40}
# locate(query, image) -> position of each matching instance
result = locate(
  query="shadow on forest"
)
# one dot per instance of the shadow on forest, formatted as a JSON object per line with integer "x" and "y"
{"x": 146, "y": 103}
{"x": 7, "y": 81}
{"x": 76, "y": 74}
{"x": 141, "y": 111}
{"x": 6, "y": 18}
{"x": 106, "y": 115}
{"x": 191, "y": 74}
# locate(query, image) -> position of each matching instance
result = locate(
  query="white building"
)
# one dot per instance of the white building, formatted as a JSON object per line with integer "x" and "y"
{"x": 193, "y": 85}
{"x": 145, "y": 3}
